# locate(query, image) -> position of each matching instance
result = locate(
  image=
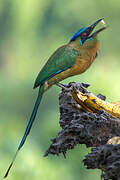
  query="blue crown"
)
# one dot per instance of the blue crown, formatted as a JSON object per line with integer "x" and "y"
{"x": 77, "y": 34}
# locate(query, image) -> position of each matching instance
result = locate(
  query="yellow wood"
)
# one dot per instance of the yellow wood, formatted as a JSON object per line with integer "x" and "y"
{"x": 92, "y": 103}
{"x": 114, "y": 140}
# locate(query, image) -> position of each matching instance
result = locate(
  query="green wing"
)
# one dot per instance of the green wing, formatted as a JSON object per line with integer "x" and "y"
{"x": 62, "y": 59}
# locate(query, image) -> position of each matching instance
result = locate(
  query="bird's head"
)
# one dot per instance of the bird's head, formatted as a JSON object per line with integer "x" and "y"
{"x": 85, "y": 38}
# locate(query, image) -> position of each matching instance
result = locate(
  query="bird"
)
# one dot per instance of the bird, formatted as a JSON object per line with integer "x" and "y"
{"x": 71, "y": 59}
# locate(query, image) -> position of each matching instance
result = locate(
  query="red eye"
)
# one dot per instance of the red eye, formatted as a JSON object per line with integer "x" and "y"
{"x": 84, "y": 34}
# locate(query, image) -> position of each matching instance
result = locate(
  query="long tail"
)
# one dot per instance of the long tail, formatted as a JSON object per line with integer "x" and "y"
{"x": 29, "y": 126}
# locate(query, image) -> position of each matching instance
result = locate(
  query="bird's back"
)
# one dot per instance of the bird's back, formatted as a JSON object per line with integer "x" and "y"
{"x": 62, "y": 59}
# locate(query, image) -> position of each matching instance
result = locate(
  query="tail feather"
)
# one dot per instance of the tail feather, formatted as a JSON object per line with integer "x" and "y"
{"x": 29, "y": 126}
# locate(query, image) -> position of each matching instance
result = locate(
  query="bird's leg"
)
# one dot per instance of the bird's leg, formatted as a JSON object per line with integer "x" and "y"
{"x": 73, "y": 87}
{"x": 70, "y": 87}
{"x": 65, "y": 87}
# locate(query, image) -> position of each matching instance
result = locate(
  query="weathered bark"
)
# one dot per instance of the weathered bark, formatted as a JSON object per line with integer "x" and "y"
{"x": 94, "y": 130}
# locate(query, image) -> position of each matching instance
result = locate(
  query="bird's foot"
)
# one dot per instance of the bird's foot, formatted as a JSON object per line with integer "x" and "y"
{"x": 65, "y": 87}
{"x": 72, "y": 86}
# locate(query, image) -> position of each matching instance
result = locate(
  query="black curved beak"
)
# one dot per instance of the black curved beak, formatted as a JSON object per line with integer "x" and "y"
{"x": 91, "y": 28}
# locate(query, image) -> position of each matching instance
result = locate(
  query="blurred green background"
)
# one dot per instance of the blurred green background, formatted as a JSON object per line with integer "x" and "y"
{"x": 30, "y": 31}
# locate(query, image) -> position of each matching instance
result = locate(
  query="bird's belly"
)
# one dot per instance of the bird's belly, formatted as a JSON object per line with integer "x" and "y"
{"x": 79, "y": 67}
